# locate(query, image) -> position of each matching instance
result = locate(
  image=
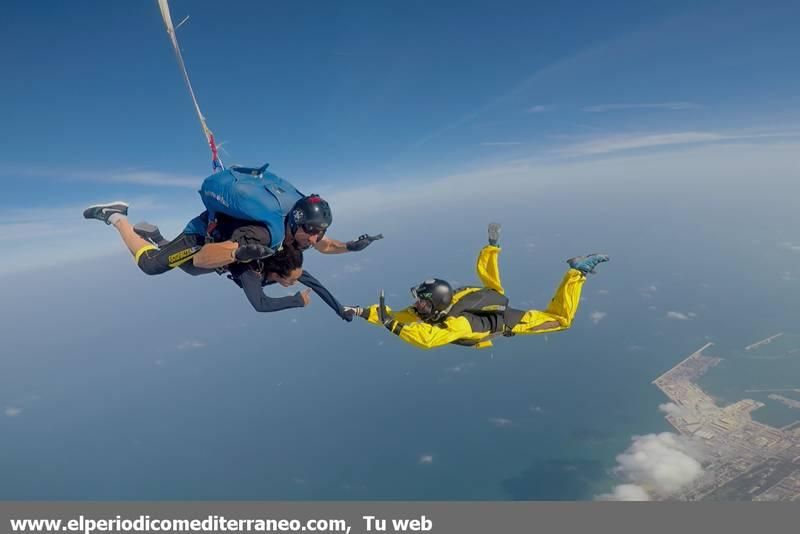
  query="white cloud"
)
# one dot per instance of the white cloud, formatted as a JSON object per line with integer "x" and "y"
{"x": 621, "y": 142}
{"x": 353, "y": 268}
{"x": 538, "y": 109}
{"x": 617, "y": 143}
{"x": 789, "y": 246}
{"x": 426, "y": 459}
{"x": 55, "y": 235}
{"x": 460, "y": 367}
{"x": 500, "y": 422}
{"x": 123, "y": 176}
{"x": 597, "y": 316}
{"x": 677, "y": 315}
{"x": 501, "y": 143}
{"x": 399, "y": 195}
{"x": 675, "y": 106}
{"x": 625, "y": 492}
{"x": 12, "y": 411}
{"x": 154, "y": 178}
{"x": 661, "y": 463}
{"x": 58, "y": 215}
{"x": 648, "y": 291}
{"x": 191, "y": 344}
{"x": 26, "y": 231}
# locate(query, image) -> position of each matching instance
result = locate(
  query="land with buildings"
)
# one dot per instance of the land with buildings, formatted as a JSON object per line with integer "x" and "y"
{"x": 744, "y": 459}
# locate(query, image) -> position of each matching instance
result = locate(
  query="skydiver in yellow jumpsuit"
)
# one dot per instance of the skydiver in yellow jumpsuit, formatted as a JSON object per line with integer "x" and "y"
{"x": 473, "y": 316}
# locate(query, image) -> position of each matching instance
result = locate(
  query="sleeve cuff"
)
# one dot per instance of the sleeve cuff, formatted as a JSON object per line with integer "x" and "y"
{"x": 394, "y": 327}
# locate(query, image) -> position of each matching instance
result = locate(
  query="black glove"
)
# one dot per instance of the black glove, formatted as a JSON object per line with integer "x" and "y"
{"x": 252, "y": 251}
{"x": 393, "y": 326}
{"x": 349, "y": 312}
{"x": 362, "y": 242}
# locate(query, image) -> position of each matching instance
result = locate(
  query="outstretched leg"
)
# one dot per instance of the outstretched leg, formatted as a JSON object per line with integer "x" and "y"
{"x": 564, "y": 304}
{"x": 149, "y": 258}
{"x": 560, "y": 312}
{"x": 115, "y": 214}
{"x": 487, "y": 264}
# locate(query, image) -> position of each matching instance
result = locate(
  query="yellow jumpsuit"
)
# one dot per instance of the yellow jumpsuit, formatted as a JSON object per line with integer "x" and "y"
{"x": 558, "y": 315}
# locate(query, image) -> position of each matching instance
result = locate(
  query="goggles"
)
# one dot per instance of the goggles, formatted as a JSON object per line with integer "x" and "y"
{"x": 422, "y": 303}
{"x": 312, "y": 229}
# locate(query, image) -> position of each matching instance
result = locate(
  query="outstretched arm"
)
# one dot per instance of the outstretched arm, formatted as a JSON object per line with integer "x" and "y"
{"x": 415, "y": 332}
{"x": 332, "y": 246}
{"x": 421, "y": 334}
{"x": 309, "y": 281}
{"x": 251, "y": 284}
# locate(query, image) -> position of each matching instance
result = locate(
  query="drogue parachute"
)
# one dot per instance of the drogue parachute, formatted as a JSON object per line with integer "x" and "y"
{"x": 216, "y": 162}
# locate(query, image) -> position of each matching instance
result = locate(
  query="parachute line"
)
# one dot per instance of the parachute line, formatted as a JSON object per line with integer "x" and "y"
{"x": 164, "y": 6}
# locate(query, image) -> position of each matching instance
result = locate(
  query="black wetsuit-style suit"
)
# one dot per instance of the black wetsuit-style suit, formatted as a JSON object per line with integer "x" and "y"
{"x": 180, "y": 251}
{"x": 252, "y": 282}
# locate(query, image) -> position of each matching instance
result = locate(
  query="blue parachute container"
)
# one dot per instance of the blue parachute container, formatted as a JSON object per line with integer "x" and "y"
{"x": 251, "y": 195}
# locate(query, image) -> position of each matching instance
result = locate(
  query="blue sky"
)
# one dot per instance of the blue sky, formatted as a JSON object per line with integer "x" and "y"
{"x": 341, "y": 96}
{"x": 665, "y": 135}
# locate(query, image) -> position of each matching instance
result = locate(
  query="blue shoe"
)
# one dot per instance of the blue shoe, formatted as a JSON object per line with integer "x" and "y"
{"x": 586, "y": 264}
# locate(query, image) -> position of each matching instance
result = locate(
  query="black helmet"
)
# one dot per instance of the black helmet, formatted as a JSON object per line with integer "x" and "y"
{"x": 435, "y": 291}
{"x": 312, "y": 214}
